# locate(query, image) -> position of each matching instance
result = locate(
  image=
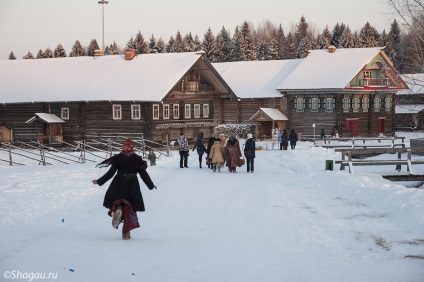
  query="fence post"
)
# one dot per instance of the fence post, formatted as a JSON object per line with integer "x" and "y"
{"x": 43, "y": 158}
{"x": 167, "y": 145}
{"x": 143, "y": 145}
{"x": 10, "y": 155}
{"x": 109, "y": 148}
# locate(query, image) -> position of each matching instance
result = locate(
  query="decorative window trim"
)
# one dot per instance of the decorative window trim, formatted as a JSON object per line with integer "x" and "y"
{"x": 314, "y": 105}
{"x": 299, "y": 104}
{"x": 377, "y": 104}
{"x": 329, "y": 104}
{"x": 355, "y": 104}
{"x": 187, "y": 111}
{"x": 346, "y": 104}
{"x": 155, "y": 111}
{"x": 176, "y": 111}
{"x": 135, "y": 112}
{"x": 196, "y": 110}
{"x": 64, "y": 113}
{"x": 365, "y": 103}
{"x": 166, "y": 113}
{"x": 388, "y": 103}
{"x": 117, "y": 111}
{"x": 206, "y": 110}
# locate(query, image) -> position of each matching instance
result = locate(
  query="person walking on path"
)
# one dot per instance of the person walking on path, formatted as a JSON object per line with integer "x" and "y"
{"x": 285, "y": 138}
{"x": 293, "y": 139}
{"x": 123, "y": 197}
{"x": 200, "y": 147}
{"x": 322, "y": 135}
{"x": 233, "y": 154}
{"x": 280, "y": 139}
{"x": 249, "y": 152}
{"x": 152, "y": 158}
{"x": 183, "y": 149}
{"x": 217, "y": 156}
{"x": 211, "y": 141}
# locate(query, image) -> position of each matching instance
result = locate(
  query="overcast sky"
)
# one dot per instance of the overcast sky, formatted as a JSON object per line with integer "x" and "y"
{"x": 30, "y": 25}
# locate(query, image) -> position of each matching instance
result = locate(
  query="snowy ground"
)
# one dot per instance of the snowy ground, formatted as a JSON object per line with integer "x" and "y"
{"x": 289, "y": 221}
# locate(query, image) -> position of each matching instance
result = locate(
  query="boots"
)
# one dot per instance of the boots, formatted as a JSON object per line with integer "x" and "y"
{"x": 117, "y": 217}
{"x": 126, "y": 236}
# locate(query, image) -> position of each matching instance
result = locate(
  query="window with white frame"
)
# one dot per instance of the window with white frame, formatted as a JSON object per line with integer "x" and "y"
{"x": 117, "y": 111}
{"x": 176, "y": 111}
{"x": 196, "y": 110}
{"x": 64, "y": 113}
{"x": 205, "y": 110}
{"x": 329, "y": 104}
{"x": 155, "y": 111}
{"x": 135, "y": 112}
{"x": 388, "y": 103}
{"x": 377, "y": 103}
{"x": 314, "y": 106}
{"x": 299, "y": 104}
{"x": 166, "y": 111}
{"x": 355, "y": 104}
{"x": 346, "y": 104}
{"x": 365, "y": 103}
{"x": 187, "y": 111}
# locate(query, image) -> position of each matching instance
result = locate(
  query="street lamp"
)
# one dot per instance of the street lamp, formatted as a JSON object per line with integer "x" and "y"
{"x": 313, "y": 126}
{"x": 103, "y": 2}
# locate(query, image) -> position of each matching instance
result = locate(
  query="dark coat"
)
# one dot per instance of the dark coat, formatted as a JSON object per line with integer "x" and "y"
{"x": 285, "y": 138}
{"x": 210, "y": 144}
{"x": 293, "y": 137}
{"x": 233, "y": 153}
{"x": 125, "y": 184}
{"x": 250, "y": 146}
{"x": 201, "y": 149}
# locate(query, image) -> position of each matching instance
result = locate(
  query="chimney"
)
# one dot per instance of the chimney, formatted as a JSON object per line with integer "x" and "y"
{"x": 98, "y": 53}
{"x": 331, "y": 49}
{"x": 129, "y": 54}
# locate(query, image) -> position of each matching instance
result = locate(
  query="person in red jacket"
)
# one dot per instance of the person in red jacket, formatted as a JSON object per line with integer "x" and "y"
{"x": 123, "y": 197}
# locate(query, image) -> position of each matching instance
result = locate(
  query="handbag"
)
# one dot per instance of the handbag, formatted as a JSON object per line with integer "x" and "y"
{"x": 241, "y": 161}
{"x": 248, "y": 153}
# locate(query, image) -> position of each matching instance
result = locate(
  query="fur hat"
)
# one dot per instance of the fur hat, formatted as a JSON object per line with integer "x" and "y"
{"x": 249, "y": 135}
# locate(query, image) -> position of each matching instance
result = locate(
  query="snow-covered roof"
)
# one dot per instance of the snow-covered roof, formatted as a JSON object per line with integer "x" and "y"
{"x": 272, "y": 114}
{"x": 148, "y": 77}
{"x": 324, "y": 70}
{"x": 256, "y": 79}
{"x": 48, "y": 118}
{"x": 408, "y": 109}
{"x": 415, "y": 83}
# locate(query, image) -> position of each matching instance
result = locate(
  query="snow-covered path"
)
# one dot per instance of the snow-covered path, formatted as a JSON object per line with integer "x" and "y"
{"x": 288, "y": 221}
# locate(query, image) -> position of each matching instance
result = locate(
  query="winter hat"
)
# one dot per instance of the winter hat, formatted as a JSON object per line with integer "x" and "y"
{"x": 128, "y": 146}
{"x": 249, "y": 135}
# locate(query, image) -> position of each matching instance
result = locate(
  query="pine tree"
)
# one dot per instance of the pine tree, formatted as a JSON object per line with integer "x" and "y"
{"x": 303, "y": 48}
{"x": 140, "y": 46}
{"x": 40, "y": 54}
{"x": 281, "y": 43}
{"x": 152, "y": 44}
{"x": 236, "y": 54}
{"x": 170, "y": 45}
{"x": 247, "y": 44}
{"x": 223, "y": 44}
{"x": 301, "y": 31}
{"x": 209, "y": 46}
{"x": 12, "y": 56}
{"x": 161, "y": 46}
{"x": 197, "y": 44}
{"x": 290, "y": 47}
{"x": 130, "y": 44}
{"x": 92, "y": 47}
{"x": 28, "y": 56}
{"x": 393, "y": 47}
{"x": 262, "y": 52}
{"x": 346, "y": 40}
{"x": 77, "y": 50}
{"x": 383, "y": 38}
{"x": 179, "y": 44}
{"x": 356, "y": 40}
{"x": 189, "y": 43}
{"x": 337, "y": 34}
{"x": 325, "y": 39}
{"x": 369, "y": 36}
{"x": 114, "y": 49}
{"x": 48, "y": 53}
{"x": 274, "y": 52}
{"x": 59, "y": 52}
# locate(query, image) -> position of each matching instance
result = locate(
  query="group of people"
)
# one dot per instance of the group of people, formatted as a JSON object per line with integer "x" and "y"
{"x": 284, "y": 138}
{"x": 219, "y": 152}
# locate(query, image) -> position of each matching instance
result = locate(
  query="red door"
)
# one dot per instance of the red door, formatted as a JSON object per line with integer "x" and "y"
{"x": 352, "y": 126}
{"x": 381, "y": 126}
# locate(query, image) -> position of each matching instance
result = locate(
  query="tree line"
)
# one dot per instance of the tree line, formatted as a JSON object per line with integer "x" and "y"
{"x": 266, "y": 42}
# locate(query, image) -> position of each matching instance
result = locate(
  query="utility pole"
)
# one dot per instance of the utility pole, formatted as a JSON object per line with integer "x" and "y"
{"x": 103, "y": 2}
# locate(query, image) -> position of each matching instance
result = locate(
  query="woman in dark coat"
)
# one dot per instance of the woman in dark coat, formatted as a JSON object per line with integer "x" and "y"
{"x": 200, "y": 147}
{"x": 285, "y": 139}
{"x": 293, "y": 139}
{"x": 233, "y": 154}
{"x": 123, "y": 197}
{"x": 211, "y": 141}
{"x": 249, "y": 152}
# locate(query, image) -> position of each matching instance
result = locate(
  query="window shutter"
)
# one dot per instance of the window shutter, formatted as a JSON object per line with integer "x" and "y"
{"x": 324, "y": 103}
{"x": 295, "y": 103}
{"x": 319, "y": 103}
{"x": 304, "y": 103}
{"x": 310, "y": 103}
{"x": 334, "y": 103}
